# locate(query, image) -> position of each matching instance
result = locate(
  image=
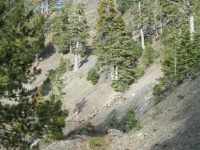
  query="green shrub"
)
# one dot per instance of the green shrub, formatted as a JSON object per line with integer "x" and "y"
{"x": 137, "y": 50}
{"x": 93, "y": 76}
{"x": 45, "y": 87}
{"x": 148, "y": 56}
{"x": 124, "y": 5}
{"x": 120, "y": 85}
{"x": 68, "y": 64}
{"x": 157, "y": 90}
{"x": 113, "y": 122}
{"x": 139, "y": 71}
{"x": 181, "y": 96}
{"x": 153, "y": 116}
{"x": 89, "y": 128}
{"x": 130, "y": 120}
{"x": 92, "y": 142}
{"x": 158, "y": 93}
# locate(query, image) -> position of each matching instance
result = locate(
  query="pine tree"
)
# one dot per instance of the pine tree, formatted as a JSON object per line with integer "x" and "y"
{"x": 31, "y": 119}
{"x": 79, "y": 30}
{"x": 21, "y": 38}
{"x": 56, "y": 79}
{"x": 113, "y": 45}
{"x": 52, "y": 118}
{"x": 124, "y": 5}
{"x": 62, "y": 37}
{"x": 71, "y": 30}
{"x": 143, "y": 18}
{"x": 18, "y": 122}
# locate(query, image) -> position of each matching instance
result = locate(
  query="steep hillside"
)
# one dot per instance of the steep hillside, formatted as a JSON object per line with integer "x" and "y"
{"x": 172, "y": 124}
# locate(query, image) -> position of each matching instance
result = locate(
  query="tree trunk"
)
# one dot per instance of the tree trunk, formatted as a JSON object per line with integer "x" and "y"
{"x": 142, "y": 39}
{"x": 76, "y": 62}
{"x": 141, "y": 29}
{"x": 139, "y": 7}
{"x": 191, "y": 27}
{"x": 70, "y": 48}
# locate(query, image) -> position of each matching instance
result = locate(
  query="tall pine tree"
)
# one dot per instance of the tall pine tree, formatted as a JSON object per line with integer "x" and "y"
{"x": 113, "y": 45}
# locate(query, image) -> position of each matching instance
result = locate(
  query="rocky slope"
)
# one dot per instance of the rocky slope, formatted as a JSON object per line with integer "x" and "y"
{"x": 172, "y": 124}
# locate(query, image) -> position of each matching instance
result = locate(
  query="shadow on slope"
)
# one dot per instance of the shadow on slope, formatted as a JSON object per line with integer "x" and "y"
{"x": 48, "y": 52}
{"x": 80, "y": 105}
{"x": 187, "y": 135}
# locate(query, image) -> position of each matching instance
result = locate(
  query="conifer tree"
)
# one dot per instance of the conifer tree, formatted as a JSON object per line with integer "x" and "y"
{"x": 21, "y": 38}
{"x": 113, "y": 46}
{"x": 79, "y": 30}
{"x": 180, "y": 54}
{"x": 123, "y": 5}
{"x": 142, "y": 17}
{"x": 57, "y": 82}
{"x": 71, "y": 30}
{"x": 62, "y": 37}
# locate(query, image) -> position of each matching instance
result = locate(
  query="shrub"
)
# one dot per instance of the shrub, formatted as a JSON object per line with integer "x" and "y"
{"x": 68, "y": 65}
{"x": 92, "y": 142}
{"x": 181, "y": 96}
{"x": 139, "y": 71}
{"x": 124, "y": 5}
{"x": 130, "y": 120}
{"x": 89, "y": 128}
{"x": 93, "y": 76}
{"x": 148, "y": 56}
{"x": 113, "y": 122}
{"x": 157, "y": 90}
{"x": 52, "y": 118}
{"x": 158, "y": 93}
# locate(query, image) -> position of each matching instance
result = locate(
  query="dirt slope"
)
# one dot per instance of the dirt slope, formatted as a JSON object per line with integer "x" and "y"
{"x": 174, "y": 124}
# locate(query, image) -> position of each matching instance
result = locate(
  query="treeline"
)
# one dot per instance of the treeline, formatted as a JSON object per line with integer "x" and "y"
{"x": 118, "y": 54}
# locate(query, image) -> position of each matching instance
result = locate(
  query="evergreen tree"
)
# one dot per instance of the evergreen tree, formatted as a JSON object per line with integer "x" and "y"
{"x": 179, "y": 38}
{"x": 113, "y": 45}
{"x": 52, "y": 118}
{"x": 71, "y": 30}
{"x": 79, "y": 30}
{"x": 18, "y": 122}
{"x": 30, "y": 119}
{"x": 143, "y": 18}
{"x": 124, "y": 5}
{"x": 21, "y": 38}
{"x": 62, "y": 34}
{"x": 57, "y": 82}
